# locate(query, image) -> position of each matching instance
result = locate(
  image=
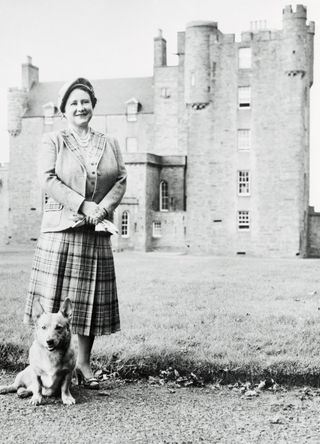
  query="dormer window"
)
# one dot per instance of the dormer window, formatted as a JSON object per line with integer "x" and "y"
{"x": 49, "y": 111}
{"x": 132, "y": 109}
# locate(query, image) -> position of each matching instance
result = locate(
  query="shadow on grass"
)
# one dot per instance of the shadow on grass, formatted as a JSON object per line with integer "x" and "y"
{"x": 209, "y": 372}
{"x": 14, "y": 358}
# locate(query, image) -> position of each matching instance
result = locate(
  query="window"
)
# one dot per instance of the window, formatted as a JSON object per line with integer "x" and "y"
{"x": 131, "y": 145}
{"x": 243, "y": 183}
{"x": 49, "y": 111}
{"x": 125, "y": 224}
{"x": 193, "y": 79}
{"x": 244, "y": 139}
{"x": 164, "y": 196}
{"x": 244, "y": 58}
{"x": 244, "y": 96}
{"x": 156, "y": 229}
{"x": 243, "y": 220}
{"x": 132, "y": 109}
{"x": 165, "y": 93}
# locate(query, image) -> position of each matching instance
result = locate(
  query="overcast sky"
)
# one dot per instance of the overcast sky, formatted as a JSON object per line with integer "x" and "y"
{"x": 114, "y": 38}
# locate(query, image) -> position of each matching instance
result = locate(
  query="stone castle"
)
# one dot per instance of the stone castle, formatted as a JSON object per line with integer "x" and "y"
{"x": 217, "y": 147}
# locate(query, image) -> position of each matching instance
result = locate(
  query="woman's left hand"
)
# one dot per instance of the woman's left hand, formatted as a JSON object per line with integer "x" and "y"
{"x": 97, "y": 217}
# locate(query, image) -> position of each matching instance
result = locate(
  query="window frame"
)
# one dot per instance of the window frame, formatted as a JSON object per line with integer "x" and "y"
{"x": 132, "y": 110}
{"x": 243, "y": 225}
{"x": 125, "y": 224}
{"x": 243, "y": 147}
{"x": 156, "y": 229}
{"x": 244, "y": 104}
{"x": 136, "y": 144}
{"x": 243, "y": 183}
{"x": 244, "y": 58}
{"x": 165, "y": 92}
{"x": 163, "y": 198}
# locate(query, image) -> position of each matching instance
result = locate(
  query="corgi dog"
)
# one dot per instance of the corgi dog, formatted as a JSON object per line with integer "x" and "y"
{"x": 52, "y": 358}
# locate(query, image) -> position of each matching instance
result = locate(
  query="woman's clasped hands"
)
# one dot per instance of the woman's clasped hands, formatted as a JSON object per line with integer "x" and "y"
{"x": 93, "y": 213}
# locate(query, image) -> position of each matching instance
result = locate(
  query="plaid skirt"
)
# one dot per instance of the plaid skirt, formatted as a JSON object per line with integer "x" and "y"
{"x": 77, "y": 264}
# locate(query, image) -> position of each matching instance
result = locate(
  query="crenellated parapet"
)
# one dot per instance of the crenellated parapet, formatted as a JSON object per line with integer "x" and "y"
{"x": 297, "y": 47}
{"x": 17, "y": 106}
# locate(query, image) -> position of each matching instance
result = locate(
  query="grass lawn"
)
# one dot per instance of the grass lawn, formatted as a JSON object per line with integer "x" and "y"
{"x": 219, "y": 317}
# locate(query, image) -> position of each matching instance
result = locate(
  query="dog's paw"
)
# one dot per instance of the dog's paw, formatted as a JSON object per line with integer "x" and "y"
{"x": 36, "y": 400}
{"x": 22, "y": 392}
{"x": 68, "y": 400}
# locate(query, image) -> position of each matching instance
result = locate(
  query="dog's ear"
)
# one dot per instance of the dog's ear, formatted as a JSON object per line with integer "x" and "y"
{"x": 66, "y": 308}
{"x": 37, "y": 309}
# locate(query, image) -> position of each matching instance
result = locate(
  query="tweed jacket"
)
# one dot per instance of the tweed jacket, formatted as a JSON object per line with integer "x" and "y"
{"x": 63, "y": 177}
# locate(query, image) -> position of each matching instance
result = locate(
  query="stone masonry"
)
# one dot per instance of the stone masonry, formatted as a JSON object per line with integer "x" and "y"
{"x": 182, "y": 129}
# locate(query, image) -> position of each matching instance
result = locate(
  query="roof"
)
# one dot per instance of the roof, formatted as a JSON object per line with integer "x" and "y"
{"x": 112, "y": 95}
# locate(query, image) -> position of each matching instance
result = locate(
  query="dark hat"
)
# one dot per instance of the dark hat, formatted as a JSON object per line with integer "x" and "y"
{"x": 68, "y": 87}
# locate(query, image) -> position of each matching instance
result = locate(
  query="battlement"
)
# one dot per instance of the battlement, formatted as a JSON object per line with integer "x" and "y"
{"x": 299, "y": 13}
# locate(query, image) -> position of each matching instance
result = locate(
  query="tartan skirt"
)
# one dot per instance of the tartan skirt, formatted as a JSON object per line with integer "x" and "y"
{"x": 77, "y": 264}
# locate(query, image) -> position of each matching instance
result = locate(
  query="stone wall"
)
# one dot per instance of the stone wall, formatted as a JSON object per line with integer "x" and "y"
{"x": 4, "y": 205}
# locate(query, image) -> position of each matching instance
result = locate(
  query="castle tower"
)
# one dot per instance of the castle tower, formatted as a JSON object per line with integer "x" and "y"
{"x": 297, "y": 60}
{"x": 198, "y": 100}
{"x": 197, "y": 62}
{"x": 248, "y": 137}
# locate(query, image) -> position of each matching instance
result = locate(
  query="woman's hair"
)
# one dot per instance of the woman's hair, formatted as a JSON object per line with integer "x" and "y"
{"x": 79, "y": 83}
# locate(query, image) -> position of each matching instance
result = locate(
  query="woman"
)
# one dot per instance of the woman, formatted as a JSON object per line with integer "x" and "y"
{"x": 84, "y": 178}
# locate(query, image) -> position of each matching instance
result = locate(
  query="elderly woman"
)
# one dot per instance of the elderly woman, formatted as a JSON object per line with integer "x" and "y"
{"x": 84, "y": 178}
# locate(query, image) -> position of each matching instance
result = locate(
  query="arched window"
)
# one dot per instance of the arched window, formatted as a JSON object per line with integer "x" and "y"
{"x": 125, "y": 224}
{"x": 164, "y": 196}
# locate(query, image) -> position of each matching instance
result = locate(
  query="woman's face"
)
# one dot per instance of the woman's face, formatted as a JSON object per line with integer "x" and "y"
{"x": 78, "y": 109}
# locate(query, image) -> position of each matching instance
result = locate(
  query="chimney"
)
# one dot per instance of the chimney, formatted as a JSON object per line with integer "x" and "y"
{"x": 160, "y": 50}
{"x": 29, "y": 74}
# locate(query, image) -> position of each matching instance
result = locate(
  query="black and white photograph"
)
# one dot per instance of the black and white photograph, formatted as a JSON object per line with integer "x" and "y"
{"x": 159, "y": 222}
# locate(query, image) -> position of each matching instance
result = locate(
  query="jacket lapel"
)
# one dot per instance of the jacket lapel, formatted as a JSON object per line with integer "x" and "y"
{"x": 99, "y": 144}
{"x": 73, "y": 146}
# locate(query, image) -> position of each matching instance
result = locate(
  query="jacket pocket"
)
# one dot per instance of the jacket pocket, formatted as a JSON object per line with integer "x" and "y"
{"x": 53, "y": 206}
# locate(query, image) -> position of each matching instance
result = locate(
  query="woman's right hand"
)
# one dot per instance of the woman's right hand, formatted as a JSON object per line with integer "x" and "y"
{"x": 91, "y": 211}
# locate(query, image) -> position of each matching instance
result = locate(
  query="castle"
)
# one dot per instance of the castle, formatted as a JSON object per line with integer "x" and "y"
{"x": 217, "y": 147}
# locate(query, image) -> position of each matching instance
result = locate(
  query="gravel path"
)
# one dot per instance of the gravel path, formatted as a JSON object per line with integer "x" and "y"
{"x": 141, "y": 413}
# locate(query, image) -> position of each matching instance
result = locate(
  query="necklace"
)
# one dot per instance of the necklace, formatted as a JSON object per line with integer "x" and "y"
{"x": 83, "y": 141}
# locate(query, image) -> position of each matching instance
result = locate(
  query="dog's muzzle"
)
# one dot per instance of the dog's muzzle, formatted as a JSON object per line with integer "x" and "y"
{"x": 50, "y": 344}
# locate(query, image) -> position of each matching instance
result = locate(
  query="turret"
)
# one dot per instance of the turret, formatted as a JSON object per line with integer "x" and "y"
{"x": 29, "y": 74}
{"x": 295, "y": 51}
{"x": 197, "y": 62}
{"x": 160, "y": 50}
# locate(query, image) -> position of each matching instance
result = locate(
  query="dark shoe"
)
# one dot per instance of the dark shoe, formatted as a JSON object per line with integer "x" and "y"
{"x": 89, "y": 383}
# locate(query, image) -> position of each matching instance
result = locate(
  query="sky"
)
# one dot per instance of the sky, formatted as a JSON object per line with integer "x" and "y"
{"x": 114, "y": 38}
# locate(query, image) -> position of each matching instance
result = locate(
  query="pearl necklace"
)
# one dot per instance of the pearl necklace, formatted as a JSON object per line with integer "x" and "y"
{"x": 83, "y": 141}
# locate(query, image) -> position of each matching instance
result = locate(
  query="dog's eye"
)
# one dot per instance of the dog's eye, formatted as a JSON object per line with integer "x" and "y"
{"x": 58, "y": 327}
{"x": 43, "y": 327}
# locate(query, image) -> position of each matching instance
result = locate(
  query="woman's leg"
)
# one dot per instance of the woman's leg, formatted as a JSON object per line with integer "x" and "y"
{"x": 85, "y": 344}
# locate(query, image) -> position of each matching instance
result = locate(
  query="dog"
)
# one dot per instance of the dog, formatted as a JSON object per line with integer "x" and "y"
{"x": 52, "y": 358}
